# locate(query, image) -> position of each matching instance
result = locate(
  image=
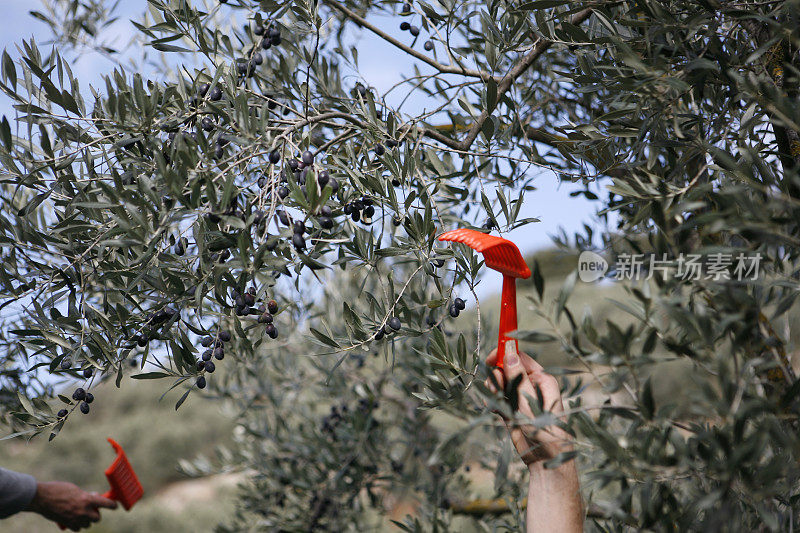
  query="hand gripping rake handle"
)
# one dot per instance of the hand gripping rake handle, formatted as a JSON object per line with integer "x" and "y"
{"x": 125, "y": 486}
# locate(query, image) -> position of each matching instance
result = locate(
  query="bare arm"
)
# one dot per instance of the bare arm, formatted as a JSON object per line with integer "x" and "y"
{"x": 554, "y": 500}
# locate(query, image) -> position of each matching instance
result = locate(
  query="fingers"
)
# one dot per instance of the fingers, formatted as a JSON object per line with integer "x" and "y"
{"x": 527, "y": 361}
{"x": 536, "y": 382}
{"x": 101, "y": 501}
{"x": 513, "y": 367}
{"x": 549, "y": 389}
{"x": 79, "y": 524}
{"x": 497, "y": 374}
{"x": 491, "y": 360}
{"x": 498, "y": 379}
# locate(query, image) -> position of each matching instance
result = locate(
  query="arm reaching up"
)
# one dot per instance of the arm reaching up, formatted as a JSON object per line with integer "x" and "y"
{"x": 554, "y": 500}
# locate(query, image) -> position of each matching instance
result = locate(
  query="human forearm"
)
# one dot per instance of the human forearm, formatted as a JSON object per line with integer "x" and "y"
{"x": 554, "y": 499}
{"x": 16, "y": 492}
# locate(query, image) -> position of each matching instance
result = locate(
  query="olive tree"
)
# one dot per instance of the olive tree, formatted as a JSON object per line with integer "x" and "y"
{"x": 257, "y": 208}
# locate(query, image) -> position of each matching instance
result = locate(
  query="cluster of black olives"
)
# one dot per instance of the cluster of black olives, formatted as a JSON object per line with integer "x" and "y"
{"x": 392, "y": 325}
{"x": 270, "y": 36}
{"x": 265, "y": 317}
{"x": 339, "y": 412}
{"x": 456, "y": 307}
{"x": 362, "y": 209}
{"x": 80, "y": 395}
{"x": 411, "y": 28}
{"x": 215, "y": 347}
{"x": 245, "y": 305}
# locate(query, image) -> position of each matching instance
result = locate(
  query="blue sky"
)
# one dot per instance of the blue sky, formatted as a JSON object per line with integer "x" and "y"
{"x": 550, "y": 203}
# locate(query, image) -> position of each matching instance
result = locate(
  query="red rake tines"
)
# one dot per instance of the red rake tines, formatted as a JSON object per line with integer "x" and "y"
{"x": 125, "y": 486}
{"x": 501, "y": 255}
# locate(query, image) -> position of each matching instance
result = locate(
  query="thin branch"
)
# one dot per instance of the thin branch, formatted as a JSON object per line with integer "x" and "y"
{"x": 518, "y": 70}
{"x": 774, "y": 63}
{"x": 483, "y": 507}
{"x": 446, "y": 69}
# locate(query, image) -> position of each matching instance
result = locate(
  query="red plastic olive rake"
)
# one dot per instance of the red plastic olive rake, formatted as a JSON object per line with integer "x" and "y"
{"x": 501, "y": 255}
{"x": 125, "y": 486}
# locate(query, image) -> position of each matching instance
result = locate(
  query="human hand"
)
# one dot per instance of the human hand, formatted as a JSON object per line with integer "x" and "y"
{"x": 68, "y": 505}
{"x": 535, "y": 445}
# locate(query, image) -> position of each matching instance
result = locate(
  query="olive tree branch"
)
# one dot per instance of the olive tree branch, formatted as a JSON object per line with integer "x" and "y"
{"x": 518, "y": 70}
{"x": 774, "y": 63}
{"x": 445, "y": 69}
{"x": 503, "y": 86}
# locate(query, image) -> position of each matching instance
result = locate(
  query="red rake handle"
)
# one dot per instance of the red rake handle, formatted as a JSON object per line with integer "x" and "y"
{"x": 508, "y": 318}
